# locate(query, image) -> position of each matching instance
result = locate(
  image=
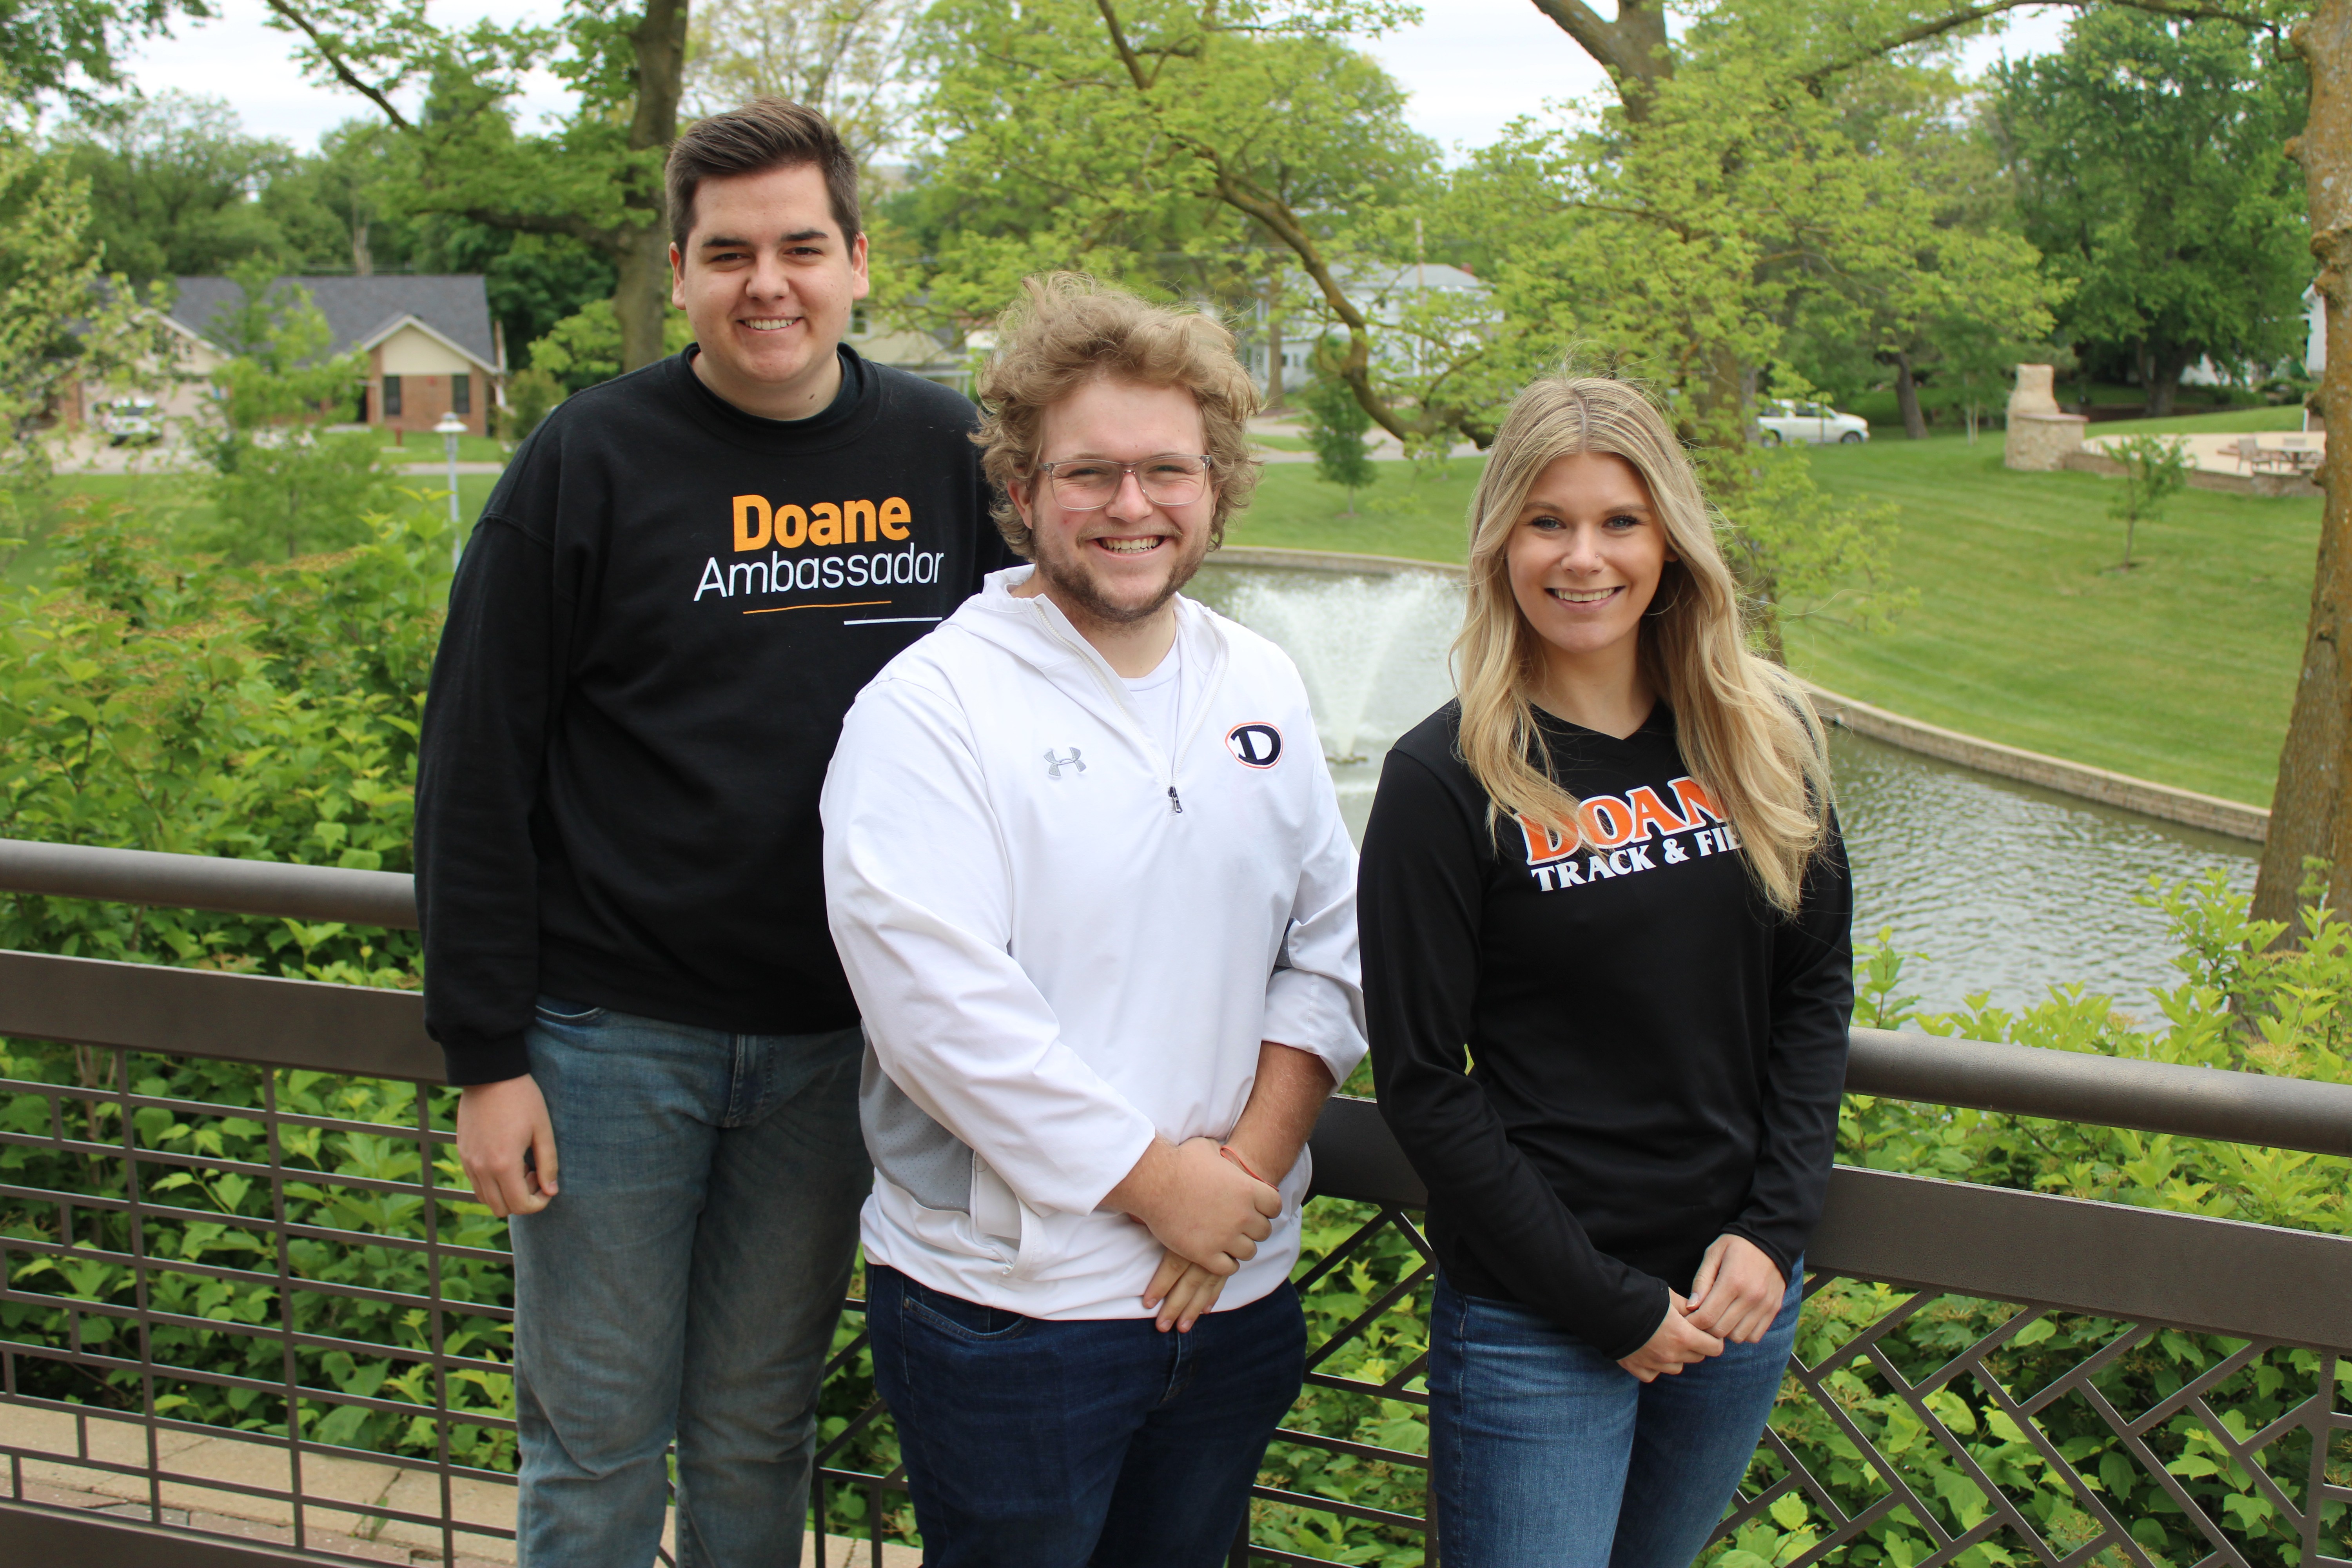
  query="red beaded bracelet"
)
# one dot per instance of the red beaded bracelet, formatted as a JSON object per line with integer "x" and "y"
{"x": 1227, "y": 1151}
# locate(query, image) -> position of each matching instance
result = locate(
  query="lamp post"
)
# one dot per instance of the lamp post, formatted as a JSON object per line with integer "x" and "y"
{"x": 449, "y": 429}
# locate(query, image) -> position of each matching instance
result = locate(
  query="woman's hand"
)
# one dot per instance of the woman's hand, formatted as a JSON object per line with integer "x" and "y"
{"x": 1182, "y": 1290}
{"x": 1737, "y": 1292}
{"x": 1676, "y": 1345}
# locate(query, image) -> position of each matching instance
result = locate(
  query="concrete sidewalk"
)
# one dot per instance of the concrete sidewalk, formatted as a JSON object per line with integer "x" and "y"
{"x": 2218, "y": 454}
{"x": 52, "y": 1478}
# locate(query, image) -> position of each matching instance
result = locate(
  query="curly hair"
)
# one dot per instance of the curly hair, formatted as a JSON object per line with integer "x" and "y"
{"x": 1067, "y": 330}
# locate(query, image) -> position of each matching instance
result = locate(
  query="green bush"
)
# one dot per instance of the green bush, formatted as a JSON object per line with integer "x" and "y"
{"x": 531, "y": 396}
{"x": 270, "y": 712}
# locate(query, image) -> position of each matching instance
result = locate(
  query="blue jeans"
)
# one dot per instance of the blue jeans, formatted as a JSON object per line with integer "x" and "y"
{"x": 685, "y": 1282}
{"x": 1032, "y": 1443}
{"x": 1543, "y": 1451}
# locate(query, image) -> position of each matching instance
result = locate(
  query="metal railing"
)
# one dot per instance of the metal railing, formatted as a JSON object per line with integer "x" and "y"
{"x": 249, "y": 1315}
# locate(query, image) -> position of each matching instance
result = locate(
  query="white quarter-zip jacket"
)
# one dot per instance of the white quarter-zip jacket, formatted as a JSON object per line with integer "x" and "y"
{"x": 1064, "y": 940}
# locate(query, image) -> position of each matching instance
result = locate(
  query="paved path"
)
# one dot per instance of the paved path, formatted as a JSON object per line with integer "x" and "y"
{"x": 63, "y": 1483}
{"x": 2219, "y": 454}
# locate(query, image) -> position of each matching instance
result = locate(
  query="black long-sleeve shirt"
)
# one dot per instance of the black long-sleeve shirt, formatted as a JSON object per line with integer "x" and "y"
{"x": 1655, "y": 1056}
{"x": 660, "y": 620}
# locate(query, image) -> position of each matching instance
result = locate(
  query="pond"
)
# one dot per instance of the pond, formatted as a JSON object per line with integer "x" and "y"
{"x": 2006, "y": 888}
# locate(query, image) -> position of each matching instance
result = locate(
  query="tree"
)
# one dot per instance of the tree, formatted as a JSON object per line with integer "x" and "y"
{"x": 172, "y": 180}
{"x": 1187, "y": 148}
{"x": 1336, "y": 423}
{"x": 277, "y": 475}
{"x": 595, "y": 179}
{"x": 64, "y": 325}
{"x": 358, "y": 178}
{"x": 2147, "y": 159}
{"x": 72, "y": 48}
{"x": 1953, "y": 317}
{"x": 2311, "y": 811}
{"x": 846, "y": 58}
{"x": 2156, "y": 469}
{"x": 584, "y": 348}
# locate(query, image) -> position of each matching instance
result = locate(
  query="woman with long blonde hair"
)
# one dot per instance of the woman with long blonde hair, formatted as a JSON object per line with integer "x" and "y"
{"x": 1608, "y": 974}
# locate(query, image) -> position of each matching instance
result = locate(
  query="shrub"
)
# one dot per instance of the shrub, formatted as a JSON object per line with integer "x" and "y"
{"x": 531, "y": 396}
{"x": 182, "y": 704}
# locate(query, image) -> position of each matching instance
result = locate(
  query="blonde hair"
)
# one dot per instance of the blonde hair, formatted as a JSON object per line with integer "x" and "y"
{"x": 1067, "y": 330}
{"x": 1747, "y": 734}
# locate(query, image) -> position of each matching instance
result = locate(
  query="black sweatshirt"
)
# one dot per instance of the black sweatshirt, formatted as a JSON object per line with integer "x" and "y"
{"x": 659, "y": 623}
{"x": 1655, "y": 1056}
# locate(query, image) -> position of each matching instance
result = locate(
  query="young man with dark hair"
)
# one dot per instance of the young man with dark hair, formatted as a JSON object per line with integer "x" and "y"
{"x": 679, "y": 584}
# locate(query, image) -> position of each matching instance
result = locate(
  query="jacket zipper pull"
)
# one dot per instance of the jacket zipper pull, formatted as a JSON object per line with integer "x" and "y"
{"x": 1175, "y": 804}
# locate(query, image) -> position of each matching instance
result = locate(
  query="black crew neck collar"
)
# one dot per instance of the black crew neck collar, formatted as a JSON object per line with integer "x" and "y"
{"x": 834, "y": 420}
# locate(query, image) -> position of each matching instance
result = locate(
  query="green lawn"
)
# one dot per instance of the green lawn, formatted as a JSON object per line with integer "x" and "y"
{"x": 2231, "y": 422}
{"x": 1402, "y": 514}
{"x": 424, "y": 446}
{"x": 2191, "y": 411}
{"x": 2181, "y": 671}
{"x": 1283, "y": 443}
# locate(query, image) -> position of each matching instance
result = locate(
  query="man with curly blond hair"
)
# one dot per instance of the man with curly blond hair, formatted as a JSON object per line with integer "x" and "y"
{"x": 1087, "y": 877}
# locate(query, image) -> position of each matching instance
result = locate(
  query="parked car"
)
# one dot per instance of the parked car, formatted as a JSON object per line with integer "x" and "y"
{"x": 1817, "y": 423}
{"x": 130, "y": 421}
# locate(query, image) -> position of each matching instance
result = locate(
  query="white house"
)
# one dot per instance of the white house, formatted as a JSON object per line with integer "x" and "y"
{"x": 1386, "y": 296}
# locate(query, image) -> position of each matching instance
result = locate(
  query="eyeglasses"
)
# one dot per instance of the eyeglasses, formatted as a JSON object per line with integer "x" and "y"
{"x": 1170, "y": 478}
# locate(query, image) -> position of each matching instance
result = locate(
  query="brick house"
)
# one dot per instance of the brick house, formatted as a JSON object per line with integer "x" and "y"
{"x": 431, "y": 343}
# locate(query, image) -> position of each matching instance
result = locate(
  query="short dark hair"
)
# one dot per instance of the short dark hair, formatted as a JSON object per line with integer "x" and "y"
{"x": 765, "y": 133}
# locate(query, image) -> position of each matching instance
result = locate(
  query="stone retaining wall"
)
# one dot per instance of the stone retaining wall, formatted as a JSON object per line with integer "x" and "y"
{"x": 2271, "y": 485}
{"x": 2211, "y": 813}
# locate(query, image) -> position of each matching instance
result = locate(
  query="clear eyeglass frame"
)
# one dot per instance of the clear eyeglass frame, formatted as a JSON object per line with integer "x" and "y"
{"x": 1085, "y": 484}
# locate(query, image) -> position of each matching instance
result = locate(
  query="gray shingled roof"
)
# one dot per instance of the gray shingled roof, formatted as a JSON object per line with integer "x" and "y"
{"x": 452, "y": 304}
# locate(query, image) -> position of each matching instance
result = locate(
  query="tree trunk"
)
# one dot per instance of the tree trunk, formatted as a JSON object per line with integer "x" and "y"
{"x": 1633, "y": 49}
{"x": 1907, "y": 397}
{"x": 362, "y": 258}
{"x": 2161, "y": 378}
{"x": 641, "y": 294}
{"x": 1274, "y": 393}
{"x": 2310, "y": 815}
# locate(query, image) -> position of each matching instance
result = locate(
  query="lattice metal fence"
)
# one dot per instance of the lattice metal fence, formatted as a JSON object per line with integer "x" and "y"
{"x": 238, "y": 1299}
{"x": 248, "y": 1314}
{"x": 254, "y": 1310}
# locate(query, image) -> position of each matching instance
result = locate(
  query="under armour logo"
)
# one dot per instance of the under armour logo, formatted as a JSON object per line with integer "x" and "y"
{"x": 1055, "y": 764}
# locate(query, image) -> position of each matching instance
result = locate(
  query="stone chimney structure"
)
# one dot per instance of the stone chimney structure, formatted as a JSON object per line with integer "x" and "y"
{"x": 2040, "y": 436}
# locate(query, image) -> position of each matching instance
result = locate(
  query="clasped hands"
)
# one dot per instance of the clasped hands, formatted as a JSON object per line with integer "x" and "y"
{"x": 1207, "y": 1211}
{"x": 1734, "y": 1298}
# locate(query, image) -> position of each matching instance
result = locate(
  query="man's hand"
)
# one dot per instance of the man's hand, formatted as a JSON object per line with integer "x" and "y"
{"x": 1199, "y": 1205}
{"x": 1676, "y": 1345}
{"x": 1738, "y": 1290}
{"x": 498, "y": 1123}
{"x": 1182, "y": 1290}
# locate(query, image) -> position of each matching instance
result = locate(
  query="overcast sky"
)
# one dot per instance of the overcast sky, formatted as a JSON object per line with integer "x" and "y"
{"x": 1472, "y": 66}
